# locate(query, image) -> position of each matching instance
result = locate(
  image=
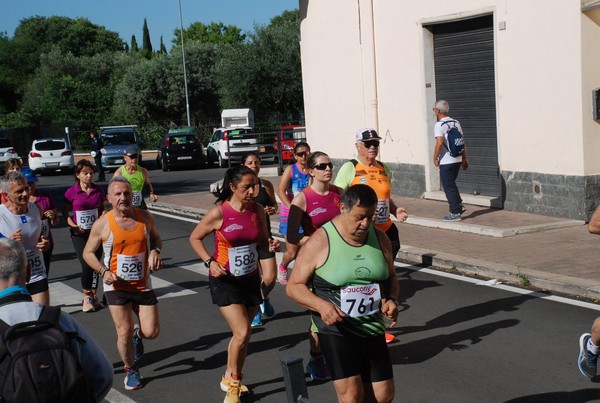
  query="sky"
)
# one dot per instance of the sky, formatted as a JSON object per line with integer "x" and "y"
{"x": 126, "y": 17}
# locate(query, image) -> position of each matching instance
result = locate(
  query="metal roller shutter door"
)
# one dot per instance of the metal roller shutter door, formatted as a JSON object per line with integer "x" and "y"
{"x": 464, "y": 76}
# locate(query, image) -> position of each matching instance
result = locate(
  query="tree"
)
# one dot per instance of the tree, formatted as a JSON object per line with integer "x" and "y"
{"x": 214, "y": 33}
{"x": 264, "y": 73}
{"x": 35, "y": 36}
{"x": 146, "y": 43}
{"x": 134, "y": 45}
{"x": 163, "y": 49}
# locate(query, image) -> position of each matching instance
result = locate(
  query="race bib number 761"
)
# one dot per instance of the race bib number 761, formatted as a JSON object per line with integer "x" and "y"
{"x": 360, "y": 300}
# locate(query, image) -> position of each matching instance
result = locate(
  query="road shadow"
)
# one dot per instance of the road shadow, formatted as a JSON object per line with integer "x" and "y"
{"x": 422, "y": 350}
{"x": 468, "y": 313}
{"x": 576, "y": 396}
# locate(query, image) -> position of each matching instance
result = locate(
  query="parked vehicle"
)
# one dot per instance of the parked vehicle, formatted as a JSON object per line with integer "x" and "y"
{"x": 288, "y": 136}
{"x": 238, "y": 118}
{"x": 51, "y": 154}
{"x": 7, "y": 151}
{"x": 240, "y": 140}
{"x": 180, "y": 147}
{"x": 116, "y": 139}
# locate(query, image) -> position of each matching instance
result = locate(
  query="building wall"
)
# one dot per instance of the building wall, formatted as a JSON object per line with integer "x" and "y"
{"x": 370, "y": 63}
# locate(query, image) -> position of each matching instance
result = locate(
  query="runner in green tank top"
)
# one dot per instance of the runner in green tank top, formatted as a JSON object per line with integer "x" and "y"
{"x": 137, "y": 176}
{"x": 350, "y": 266}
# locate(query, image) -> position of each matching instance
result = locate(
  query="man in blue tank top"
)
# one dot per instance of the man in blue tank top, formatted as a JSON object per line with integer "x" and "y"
{"x": 354, "y": 287}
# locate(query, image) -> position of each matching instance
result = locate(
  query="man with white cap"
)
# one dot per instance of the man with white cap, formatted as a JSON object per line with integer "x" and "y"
{"x": 365, "y": 169}
{"x": 137, "y": 176}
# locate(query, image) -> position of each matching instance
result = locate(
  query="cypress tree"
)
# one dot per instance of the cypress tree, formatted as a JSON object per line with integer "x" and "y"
{"x": 146, "y": 44}
{"x": 134, "y": 45}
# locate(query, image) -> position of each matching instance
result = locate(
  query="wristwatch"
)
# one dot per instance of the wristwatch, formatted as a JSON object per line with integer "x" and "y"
{"x": 207, "y": 262}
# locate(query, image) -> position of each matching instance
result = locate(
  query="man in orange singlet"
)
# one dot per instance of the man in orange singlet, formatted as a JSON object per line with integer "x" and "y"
{"x": 131, "y": 251}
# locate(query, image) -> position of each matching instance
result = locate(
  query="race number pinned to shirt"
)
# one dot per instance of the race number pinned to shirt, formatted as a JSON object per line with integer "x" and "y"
{"x": 137, "y": 199}
{"x": 45, "y": 228}
{"x": 131, "y": 267}
{"x": 87, "y": 218}
{"x": 360, "y": 300}
{"x": 243, "y": 259}
{"x": 383, "y": 211}
{"x": 35, "y": 259}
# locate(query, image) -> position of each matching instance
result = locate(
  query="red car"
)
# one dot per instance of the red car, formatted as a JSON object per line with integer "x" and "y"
{"x": 288, "y": 136}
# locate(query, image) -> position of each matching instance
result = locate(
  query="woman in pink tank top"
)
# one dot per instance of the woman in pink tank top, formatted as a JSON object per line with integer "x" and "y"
{"x": 240, "y": 231}
{"x": 316, "y": 205}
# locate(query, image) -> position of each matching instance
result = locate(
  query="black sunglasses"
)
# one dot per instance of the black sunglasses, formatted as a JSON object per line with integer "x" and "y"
{"x": 302, "y": 154}
{"x": 133, "y": 156}
{"x": 323, "y": 166}
{"x": 371, "y": 143}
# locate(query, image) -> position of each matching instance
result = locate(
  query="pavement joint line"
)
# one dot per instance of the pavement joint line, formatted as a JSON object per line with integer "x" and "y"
{"x": 445, "y": 261}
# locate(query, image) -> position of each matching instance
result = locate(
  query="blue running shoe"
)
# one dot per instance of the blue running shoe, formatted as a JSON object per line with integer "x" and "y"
{"x": 132, "y": 379}
{"x": 317, "y": 369}
{"x": 138, "y": 345}
{"x": 266, "y": 309}
{"x": 587, "y": 362}
{"x": 452, "y": 217}
{"x": 257, "y": 321}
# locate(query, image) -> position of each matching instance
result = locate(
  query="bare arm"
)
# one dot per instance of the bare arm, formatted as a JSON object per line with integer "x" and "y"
{"x": 439, "y": 142}
{"x": 118, "y": 172}
{"x": 388, "y": 306}
{"x": 286, "y": 178}
{"x": 153, "y": 197}
{"x": 399, "y": 212}
{"x": 311, "y": 256}
{"x": 211, "y": 222}
{"x": 154, "y": 259}
{"x": 93, "y": 243}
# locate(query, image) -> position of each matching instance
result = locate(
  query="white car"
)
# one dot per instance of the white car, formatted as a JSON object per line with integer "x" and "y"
{"x": 7, "y": 151}
{"x": 240, "y": 140}
{"x": 51, "y": 155}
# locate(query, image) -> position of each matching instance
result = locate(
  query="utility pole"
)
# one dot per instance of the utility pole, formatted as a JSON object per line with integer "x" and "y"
{"x": 187, "y": 100}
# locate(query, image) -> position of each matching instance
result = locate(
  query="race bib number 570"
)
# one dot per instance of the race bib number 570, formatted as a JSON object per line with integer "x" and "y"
{"x": 360, "y": 300}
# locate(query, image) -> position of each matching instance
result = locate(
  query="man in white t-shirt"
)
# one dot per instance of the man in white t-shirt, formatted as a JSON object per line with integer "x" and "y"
{"x": 449, "y": 165}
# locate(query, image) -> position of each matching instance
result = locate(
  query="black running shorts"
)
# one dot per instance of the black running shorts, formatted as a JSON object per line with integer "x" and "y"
{"x": 120, "y": 297}
{"x": 228, "y": 290}
{"x": 368, "y": 357}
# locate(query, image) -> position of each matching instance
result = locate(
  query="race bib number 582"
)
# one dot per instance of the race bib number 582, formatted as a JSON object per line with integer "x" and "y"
{"x": 243, "y": 259}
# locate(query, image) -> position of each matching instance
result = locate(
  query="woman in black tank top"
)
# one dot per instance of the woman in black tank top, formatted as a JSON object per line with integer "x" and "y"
{"x": 268, "y": 264}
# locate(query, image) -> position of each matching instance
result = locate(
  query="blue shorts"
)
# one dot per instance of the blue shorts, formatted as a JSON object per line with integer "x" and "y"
{"x": 283, "y": 225}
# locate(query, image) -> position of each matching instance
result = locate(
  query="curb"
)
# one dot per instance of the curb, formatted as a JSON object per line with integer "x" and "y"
{"x": 425, "y": 258}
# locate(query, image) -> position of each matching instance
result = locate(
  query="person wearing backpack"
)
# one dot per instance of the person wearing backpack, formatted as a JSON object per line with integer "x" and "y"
{"x": 450, "y": 154}
{"x": 69, "y": 365}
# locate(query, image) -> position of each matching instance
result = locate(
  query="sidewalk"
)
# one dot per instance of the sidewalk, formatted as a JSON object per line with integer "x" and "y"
{"x": 553, "y": 254}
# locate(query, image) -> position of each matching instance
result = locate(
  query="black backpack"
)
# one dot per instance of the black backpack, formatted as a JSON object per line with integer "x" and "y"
{"x": 37, "y": 364}
{"x": 456, "y": 142}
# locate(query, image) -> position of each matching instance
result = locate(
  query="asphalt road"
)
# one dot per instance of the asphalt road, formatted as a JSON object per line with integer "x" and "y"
{"x": 458, "y": 341}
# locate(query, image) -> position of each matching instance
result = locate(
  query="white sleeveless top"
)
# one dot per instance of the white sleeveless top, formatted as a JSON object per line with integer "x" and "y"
{"x": 30, "y": 225}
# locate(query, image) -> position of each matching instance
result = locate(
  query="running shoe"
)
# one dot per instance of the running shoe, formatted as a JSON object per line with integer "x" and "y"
{"x": 233, "y": 392}
{"x": 452, "y": 217}
{"x": 282, "y": 275}
{"x": 88, "y": 305}
{"x": 132, "y": 379}
{"x": 266, "y": 309}
{"x": 97, "y": 304}
{"x": 389, "y": 337}
{"x": 225, "y": 385}
{"x": 138, "y": 345}
{"x": 317, "y": 369}
{"x": 257, "y": 321}
{"x": 587, "y": 362}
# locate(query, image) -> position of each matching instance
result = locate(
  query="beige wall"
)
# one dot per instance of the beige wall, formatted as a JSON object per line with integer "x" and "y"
{"x": 547, "y": 62}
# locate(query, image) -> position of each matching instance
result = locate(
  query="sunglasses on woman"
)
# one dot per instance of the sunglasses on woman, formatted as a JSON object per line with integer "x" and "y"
{"x": 302, "y": 154}
{"x": 323, "y": 166}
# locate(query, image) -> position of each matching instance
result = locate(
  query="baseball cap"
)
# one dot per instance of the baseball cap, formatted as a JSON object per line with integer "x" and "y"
{"x": 132, "y": 150}
{"x": 367, "y": 134}
{"x": 29, "y": 174}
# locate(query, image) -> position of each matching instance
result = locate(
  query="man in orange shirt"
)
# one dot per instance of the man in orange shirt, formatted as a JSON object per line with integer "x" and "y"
{"x": 125, "y": 233}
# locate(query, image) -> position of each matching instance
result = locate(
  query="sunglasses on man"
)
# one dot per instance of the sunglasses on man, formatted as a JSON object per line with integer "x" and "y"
{"x": 371, "y": 143}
